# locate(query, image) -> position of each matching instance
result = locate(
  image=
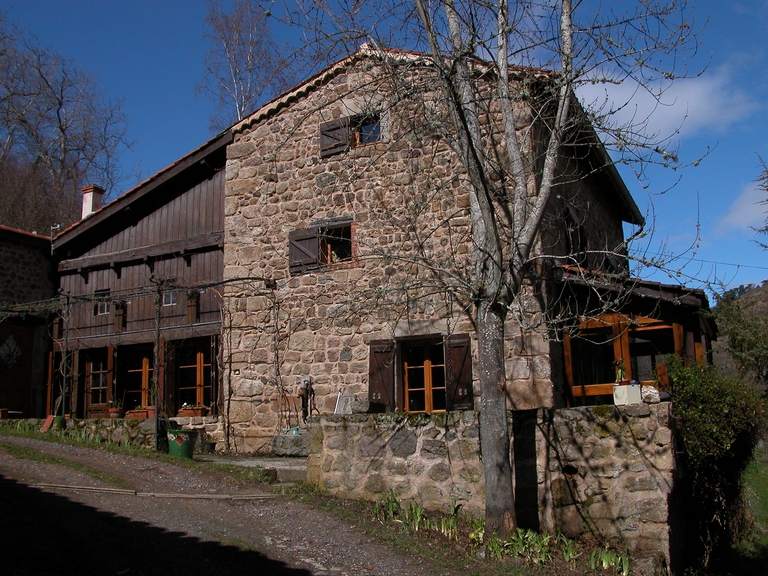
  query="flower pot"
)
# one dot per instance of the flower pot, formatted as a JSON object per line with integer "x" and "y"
{"x": 181, "y": 443}
{"x": 116, "y": 412}
{"x": 190, "y": 412}
{"x": 136, "y": 414}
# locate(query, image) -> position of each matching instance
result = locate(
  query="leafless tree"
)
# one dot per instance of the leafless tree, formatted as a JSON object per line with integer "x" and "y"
{"x": 57, "y": 133}
{"x": 481, "y": 53}
{"x": 243, "y": 65}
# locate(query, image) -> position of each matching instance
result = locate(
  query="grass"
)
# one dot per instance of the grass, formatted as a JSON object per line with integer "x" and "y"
{"x": 234, "y": 474}
{"x": 26, "y": 453}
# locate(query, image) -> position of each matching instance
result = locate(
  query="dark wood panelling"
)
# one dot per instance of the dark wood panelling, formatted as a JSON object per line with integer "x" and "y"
{"x": 180, "y": 242}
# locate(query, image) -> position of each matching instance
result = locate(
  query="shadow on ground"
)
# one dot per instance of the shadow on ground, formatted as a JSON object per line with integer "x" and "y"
{"x": 44, "y": 533}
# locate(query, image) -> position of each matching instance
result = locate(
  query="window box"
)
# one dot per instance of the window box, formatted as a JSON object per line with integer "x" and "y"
{"x": 192, "y": 411}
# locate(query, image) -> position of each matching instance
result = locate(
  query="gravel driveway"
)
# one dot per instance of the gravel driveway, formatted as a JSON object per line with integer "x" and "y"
{"x": 142, "y": 516}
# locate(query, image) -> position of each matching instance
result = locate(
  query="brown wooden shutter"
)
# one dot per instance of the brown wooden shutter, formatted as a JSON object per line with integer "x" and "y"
{"x": 458, "y": 360}
{"x": 334, "y": 137}
{"x": 303, "y": 249}
{"x": 381, "y": 376}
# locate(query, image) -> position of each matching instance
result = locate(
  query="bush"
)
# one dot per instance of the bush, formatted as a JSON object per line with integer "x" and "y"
{"x": 719, "y": 422}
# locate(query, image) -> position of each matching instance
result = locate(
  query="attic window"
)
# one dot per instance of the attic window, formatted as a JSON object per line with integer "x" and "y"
{"x": 365, "y": 129}
{"x": 323, "y": 243}
{"x": 342, "y": 134}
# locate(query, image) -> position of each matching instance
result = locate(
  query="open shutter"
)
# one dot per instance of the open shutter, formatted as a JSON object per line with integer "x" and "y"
{"x": 334, "y": 137}
{"x": 381, "y": 376}
{"x": 303, "y": 250}
{"x": 458, "y": 360}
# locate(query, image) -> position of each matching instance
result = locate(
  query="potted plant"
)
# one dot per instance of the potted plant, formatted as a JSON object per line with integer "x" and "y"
{"x": 115, "y": 408}
{"x": 138, "y": 413}
{"x": 190, "y": 411}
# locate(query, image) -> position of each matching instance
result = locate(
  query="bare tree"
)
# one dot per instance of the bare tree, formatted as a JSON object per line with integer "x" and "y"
{"x": 486, "y": 58}
{"x": 243, "y": 65}
{"x": 57, "y": 133}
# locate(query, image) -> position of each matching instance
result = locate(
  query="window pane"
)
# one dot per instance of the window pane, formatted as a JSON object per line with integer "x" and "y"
{"x": 593, "y": 361}
{"x": 415, "y": 378}
{"x": 370, "y": 132}
{"x": 416, "y": 401}
{"x": 647, "y": 349}
{"x": 437, "y": 354}
{"x": 414, "y": 356}
{"x": 438, "y": 398}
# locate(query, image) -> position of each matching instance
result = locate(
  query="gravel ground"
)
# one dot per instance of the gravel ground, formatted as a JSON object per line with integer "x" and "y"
{"x": 144, "y": 516}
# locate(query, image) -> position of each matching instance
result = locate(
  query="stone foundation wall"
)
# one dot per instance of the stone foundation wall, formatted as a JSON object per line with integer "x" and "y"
{"x": 606, "y": 470}
{"x": 142, "y": 432}
{"x": 429, "y": 459}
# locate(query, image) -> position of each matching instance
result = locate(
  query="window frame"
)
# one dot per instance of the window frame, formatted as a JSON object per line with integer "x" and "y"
{"x": 102, "y": 304}
{"x": 342, "y": 134}
{"x": 309, "y": 248}
{"x": 386, "y": 379}
{"x": 620, "y": 329}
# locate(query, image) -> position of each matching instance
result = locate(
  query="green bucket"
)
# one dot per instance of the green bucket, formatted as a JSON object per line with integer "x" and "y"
{"x": 59, "y": 423}
{"x": 181, "y": 443}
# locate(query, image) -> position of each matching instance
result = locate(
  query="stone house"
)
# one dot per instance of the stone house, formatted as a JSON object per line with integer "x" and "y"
{"x": 343, "y": 199}
{"x": 342, "y": 192}
{"x": 26, "y": 279}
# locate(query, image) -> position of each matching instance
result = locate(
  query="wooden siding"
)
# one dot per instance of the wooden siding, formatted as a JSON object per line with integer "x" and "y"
{"x": 195, "y": 212}
{"x": 178, "y": 243}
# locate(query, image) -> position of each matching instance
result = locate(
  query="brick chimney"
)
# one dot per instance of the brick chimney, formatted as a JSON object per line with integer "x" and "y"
{"x": 92, "y": 196}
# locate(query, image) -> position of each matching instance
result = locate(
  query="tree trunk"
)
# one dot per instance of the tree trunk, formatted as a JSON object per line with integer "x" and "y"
{"x": 494, "y": 437}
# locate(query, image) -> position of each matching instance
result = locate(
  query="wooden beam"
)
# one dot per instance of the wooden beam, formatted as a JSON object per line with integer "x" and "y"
{"x": 141, "y": 336}
{"x": 211, "y": 240}
{"x": 593, "y": 390}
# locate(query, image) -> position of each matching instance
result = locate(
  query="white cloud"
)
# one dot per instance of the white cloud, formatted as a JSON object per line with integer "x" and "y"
{"x": 710, "y": 102}
{"x": 746, "y": 211}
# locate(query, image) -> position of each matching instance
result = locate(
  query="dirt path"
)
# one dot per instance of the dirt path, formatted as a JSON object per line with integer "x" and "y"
{"x": 148, "y": 517}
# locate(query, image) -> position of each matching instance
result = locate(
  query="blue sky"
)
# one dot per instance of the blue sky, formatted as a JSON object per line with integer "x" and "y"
{"x": 149, "y": 54}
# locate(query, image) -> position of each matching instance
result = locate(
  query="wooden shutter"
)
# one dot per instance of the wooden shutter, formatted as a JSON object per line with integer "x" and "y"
{"x": 334, "y": 137}
{"x": 458, "y": 385}
{"x": 381, "y": 376}
{"x": 303, "y": 250}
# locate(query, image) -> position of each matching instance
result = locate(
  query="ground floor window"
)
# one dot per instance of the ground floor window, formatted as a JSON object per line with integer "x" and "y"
{"x": 98, "y": 377}
{"x": 431, "y": 374}
{"x": 613, "y": 348}
{"x": 194, "y": 374}
{"x": 134, "y": 375}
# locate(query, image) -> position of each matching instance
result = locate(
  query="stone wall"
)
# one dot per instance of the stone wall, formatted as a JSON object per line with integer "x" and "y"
{"x": 622, "y": 463}
{"x": 429, "y": 459}
{"x": 141, "y": 432}
{"x": 26, "y": 270}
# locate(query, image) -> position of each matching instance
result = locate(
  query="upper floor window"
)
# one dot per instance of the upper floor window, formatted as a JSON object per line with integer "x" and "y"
{"x": 170, "y": 298}
{"x": 102, "y": 305}
{"x": 344, "y": 133}
{"x": 323, "y": 243}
